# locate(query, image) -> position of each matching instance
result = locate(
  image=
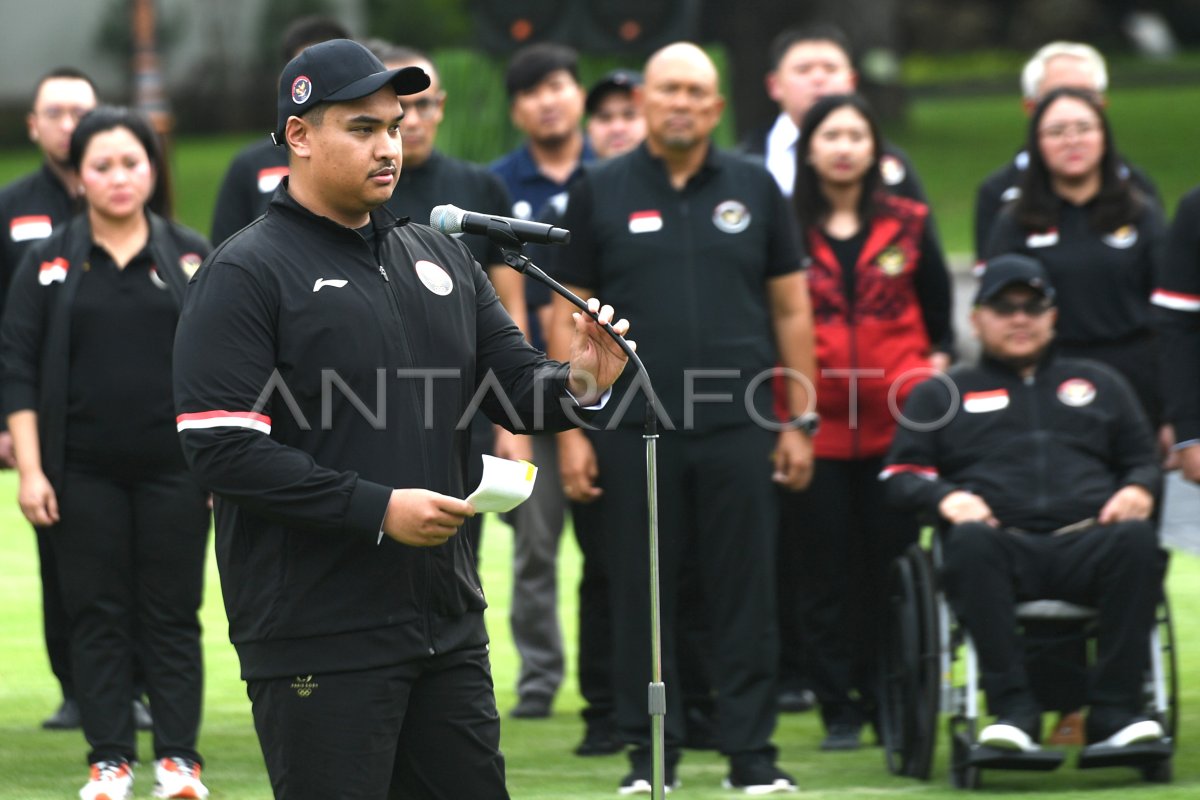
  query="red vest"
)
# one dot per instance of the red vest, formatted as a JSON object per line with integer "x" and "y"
{"x": 869, "y": 355}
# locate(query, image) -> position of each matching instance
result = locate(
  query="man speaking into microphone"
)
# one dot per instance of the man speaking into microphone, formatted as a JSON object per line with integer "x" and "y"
{"x": 324, "y": 359}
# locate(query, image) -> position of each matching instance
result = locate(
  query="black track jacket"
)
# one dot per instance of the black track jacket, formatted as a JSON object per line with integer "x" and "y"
{"x": 312, "y": 377}
{"x": 1043, "y": 453}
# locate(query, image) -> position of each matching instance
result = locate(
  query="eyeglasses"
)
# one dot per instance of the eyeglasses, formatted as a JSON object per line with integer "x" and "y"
{"x": 56, "y": 113}
{"x": 1034, "y": 307}
{"x": 1065, "y": 129}
{"x": 425, "y": 108}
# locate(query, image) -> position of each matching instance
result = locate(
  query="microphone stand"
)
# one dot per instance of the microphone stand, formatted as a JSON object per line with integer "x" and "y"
{"x": 510, "y": 245}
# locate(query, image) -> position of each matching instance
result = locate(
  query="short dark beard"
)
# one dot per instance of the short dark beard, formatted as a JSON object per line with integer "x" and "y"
{"x": 554, "y": 142}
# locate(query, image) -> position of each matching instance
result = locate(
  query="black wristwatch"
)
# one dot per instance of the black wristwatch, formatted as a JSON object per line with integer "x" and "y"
{"x": 809, "y": 423}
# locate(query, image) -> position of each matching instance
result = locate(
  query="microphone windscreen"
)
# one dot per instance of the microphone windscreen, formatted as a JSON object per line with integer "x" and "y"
{"x": 447, "y": 219}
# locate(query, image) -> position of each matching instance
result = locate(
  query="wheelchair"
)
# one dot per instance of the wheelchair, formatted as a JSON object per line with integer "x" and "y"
{"x": 929, "y": 669}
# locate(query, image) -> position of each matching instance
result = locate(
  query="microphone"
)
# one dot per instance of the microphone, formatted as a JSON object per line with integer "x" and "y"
{"x": 504, "y": 230}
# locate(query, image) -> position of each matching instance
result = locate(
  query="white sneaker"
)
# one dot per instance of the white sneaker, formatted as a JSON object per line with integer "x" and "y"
{"x": 111, "y": 780}
{"x": 1145, "y": 730}
{"x": 178, "y": 777}
{"x": 1003, "y": 736}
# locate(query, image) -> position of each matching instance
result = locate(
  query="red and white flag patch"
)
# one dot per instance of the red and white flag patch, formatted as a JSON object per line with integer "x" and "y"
{"x": 645, "y": 221}
{"x": 23, "y": 229}
{"x": 53, "y": 271}
{"x": 983, "y": 402}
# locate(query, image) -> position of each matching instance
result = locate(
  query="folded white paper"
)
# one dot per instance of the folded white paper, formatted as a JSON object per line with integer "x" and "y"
{"x": 504, "y": 486}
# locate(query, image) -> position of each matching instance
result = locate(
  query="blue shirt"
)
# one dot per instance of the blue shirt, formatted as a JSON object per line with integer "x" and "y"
{"x": 531, "y": 191}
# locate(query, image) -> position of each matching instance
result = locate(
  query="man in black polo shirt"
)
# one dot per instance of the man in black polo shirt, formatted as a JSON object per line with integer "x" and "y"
{"x": 699, "y": 245}
{"x": 256, "y": 171}
{"x": 30, "y": 209}
{"x": 1054, "y": 66}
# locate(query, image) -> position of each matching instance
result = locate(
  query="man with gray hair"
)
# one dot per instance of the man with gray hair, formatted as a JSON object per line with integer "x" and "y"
{"x": 1054, "y": 66}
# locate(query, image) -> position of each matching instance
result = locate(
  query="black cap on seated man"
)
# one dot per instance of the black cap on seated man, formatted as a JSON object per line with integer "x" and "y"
{"x": 1012, "y": 269}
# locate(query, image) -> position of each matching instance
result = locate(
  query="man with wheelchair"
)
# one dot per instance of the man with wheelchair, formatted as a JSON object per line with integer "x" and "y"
{"x": 1044, "y": 474}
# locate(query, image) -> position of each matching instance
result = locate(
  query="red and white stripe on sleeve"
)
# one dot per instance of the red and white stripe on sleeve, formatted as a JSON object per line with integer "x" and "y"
{"x": 1176, "y": 301}
{"x": 920, "y": 470}
{"x": 223, "y": 419}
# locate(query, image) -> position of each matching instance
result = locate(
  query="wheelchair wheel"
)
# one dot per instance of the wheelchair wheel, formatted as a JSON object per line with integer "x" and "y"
{"x": 909, "y": 667}
{"x": 962, "y": 774}
{"x": 1166, "y": 632}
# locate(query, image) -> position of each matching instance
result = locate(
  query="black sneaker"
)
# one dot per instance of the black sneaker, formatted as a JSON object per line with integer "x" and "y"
{"x": 641, "y": 773}
{"x": 796, "y": 701}
{"x": 599, "y": 739}
{"x": 531, "y": 707}
{"x": 757, "y": 774}
{"x": 842, "y": 736}
{"x": 65, "y": 718}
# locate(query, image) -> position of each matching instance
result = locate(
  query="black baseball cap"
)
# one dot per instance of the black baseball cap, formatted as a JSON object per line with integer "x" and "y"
{"x": 334, "y": 71}
{"x": 622, "y": 80}
{"x": 1012, "y": 269}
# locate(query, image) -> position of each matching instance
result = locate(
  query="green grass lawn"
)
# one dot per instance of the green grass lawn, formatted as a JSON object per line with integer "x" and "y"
{"x": 37, "y": 764}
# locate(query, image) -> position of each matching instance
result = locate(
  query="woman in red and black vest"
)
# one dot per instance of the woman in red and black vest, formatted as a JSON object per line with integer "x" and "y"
{"x": 881, "y": 309}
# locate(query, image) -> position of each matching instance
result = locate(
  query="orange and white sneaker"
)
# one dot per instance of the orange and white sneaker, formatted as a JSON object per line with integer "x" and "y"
{"x": 178, "y": 777}
{"x": 111, "y": 780}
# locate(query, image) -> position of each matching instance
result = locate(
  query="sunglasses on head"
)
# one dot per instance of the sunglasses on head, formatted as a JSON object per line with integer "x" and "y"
{"x": 1033, "y": 307}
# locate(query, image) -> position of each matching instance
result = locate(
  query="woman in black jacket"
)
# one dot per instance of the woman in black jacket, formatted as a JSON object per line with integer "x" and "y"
{"x": 86, "y": 341}
{"x": 1099, "y": 238}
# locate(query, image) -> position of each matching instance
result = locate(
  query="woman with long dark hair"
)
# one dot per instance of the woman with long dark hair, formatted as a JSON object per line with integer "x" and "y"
{"x": 87, "y": 338}
{"x": 1099, "y": 238}
{"x": 881, "y": 310}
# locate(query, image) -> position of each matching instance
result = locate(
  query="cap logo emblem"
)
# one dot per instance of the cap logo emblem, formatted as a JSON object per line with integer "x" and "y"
{"x": 301, "y": 90}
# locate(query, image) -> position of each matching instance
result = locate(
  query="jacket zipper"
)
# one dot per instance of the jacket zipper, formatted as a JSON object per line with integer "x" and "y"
{"x": 1031, "y": 387}
{"x": 425, "y": 555}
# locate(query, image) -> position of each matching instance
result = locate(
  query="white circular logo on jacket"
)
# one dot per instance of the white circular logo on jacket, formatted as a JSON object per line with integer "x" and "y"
{"x": 156, "y": 279}
{"x": 892, "y": 169}
{"x": 189, "y": 263}
{"x": 1122, "y": 238}
{"x": 436, "y": 279}
{"x": 1076, "y": 392}
{"x": 731, "y": 216}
